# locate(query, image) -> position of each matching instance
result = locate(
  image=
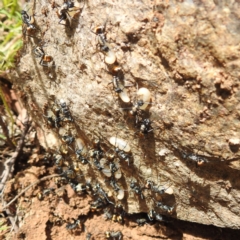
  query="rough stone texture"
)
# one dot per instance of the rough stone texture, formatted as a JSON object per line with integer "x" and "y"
{"x": 187, "y": 54}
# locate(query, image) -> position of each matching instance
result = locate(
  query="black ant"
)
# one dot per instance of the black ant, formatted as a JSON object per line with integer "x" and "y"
{"x": 110, "y": 56}
{"x": 116, "y": 188}
{"x": 75, "y": 224}
{"x": 98, "y": 204}
{"x": 113, "y": 235}
{"x": 97, "y": 152}
{"x": 118, "y": 213}
{"x": 69, "y": 174}
{"x": 44, "y": 193}
{"x": 122, "y": 148}
{"x": 58, "y": 158}
{"x": 155, "y": 188}
{"x": 108, "y": 214}
{"x": 67, "y": 139}
{"x": 141, "y": 221}
{"x": 53, "y": 118}
{"x": 164, "y": 208}
{"x": 97, "y": 164}
{"x": 195, "y": 158}
{"x": 136, "y": 188}
{"x": 45, "y": 59}
{"x": 152, "y": 215}
{"x": 102, "y": 40}
{"x": 88, "y": 236}
{"x": 28, "y": 21}
{"x": 80, "y": 157}
{"x": 114, "y": 184}
{"x": 119, "y": 87}
{"x": 100, "y": 191}
{"x": 63, "y": 11}
{"x": 65, "y": 111}
{"x": 145, "y": 126}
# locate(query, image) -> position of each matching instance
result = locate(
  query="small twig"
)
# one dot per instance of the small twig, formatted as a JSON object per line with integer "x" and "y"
{"x": 27, "y": 188}
{"x": 11, "y": 218}
{"x": 5, "y": 132}
{"x": 10, "y": 162}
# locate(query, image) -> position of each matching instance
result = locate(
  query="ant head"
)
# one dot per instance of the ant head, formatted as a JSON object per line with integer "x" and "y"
{"x": 23, "y": 12}
{"x": 70, "y": 3}
{"x": 139, "y": 103}
{"x": 105, "y": 48}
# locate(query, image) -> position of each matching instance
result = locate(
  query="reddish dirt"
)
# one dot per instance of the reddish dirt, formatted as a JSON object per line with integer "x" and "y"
{"x": 48, "y": 218}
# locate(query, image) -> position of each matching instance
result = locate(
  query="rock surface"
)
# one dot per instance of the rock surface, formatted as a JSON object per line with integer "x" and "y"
{"x": 187, "y": 54}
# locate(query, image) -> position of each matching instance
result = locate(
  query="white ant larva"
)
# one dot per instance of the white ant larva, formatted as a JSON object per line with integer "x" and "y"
{"x": 120, "y": 195}
{"x": 124, "y": 96}
{"x": 169, "y": 191}
{"x": 80, "y": 145}
{"x": 106, "y": 170}
{"x": 144, "y": 97}
{"x": 110, "y": 56}
{"x": 118, "y": 173}
{"x": 120, "y": 144}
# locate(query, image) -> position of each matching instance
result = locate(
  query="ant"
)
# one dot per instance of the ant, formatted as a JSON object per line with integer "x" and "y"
{"x": 163, "y": 207}
{"x": 97, "y": 164}
{"x": 102, "y": 192}
{"x": 67, "y": 139}
{"x": 45, "y": 59}
{"x": 80, "y": 157}
{"x": 65, "y": 111}
{"x": 118, "y": 213}
{"x": 58, "y": 158}
{"x": 155, "y": 188}
{"x": 53, "y": 117}
{"x": 119, "y": 87}
{"x": 75, "y": 224}
{"x": 102, "y": 40}
{"x": 152, "y": 215}
{"x": 44, "y": 193}
{"x": 88, "y": 236}
{"x": 69, "y": 174}
{"x": 97, "y": 153}
{"x": 141, "y": 221}
{"x": 113, "y": 235}
{"x": 195, "y": 158}
{"x": 123, "y": 155}
{"x": 110, "y": 56}
{"x": 63, "y": 11}
{"x": 136, "y": 188}
{"x": 98, "y": 204}
{"x": 108, "y": 214}
{"x": 115, "y": 170}
{"x": 145, "y": 126}
{"x": 114, "y": 184}
{"x": 122, "y": 148}
{"x": 29, "y": 22}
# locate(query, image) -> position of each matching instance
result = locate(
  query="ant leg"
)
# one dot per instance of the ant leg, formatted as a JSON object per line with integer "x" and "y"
{"x": 61, "y": 19}
{"x": 42, "y": 63}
